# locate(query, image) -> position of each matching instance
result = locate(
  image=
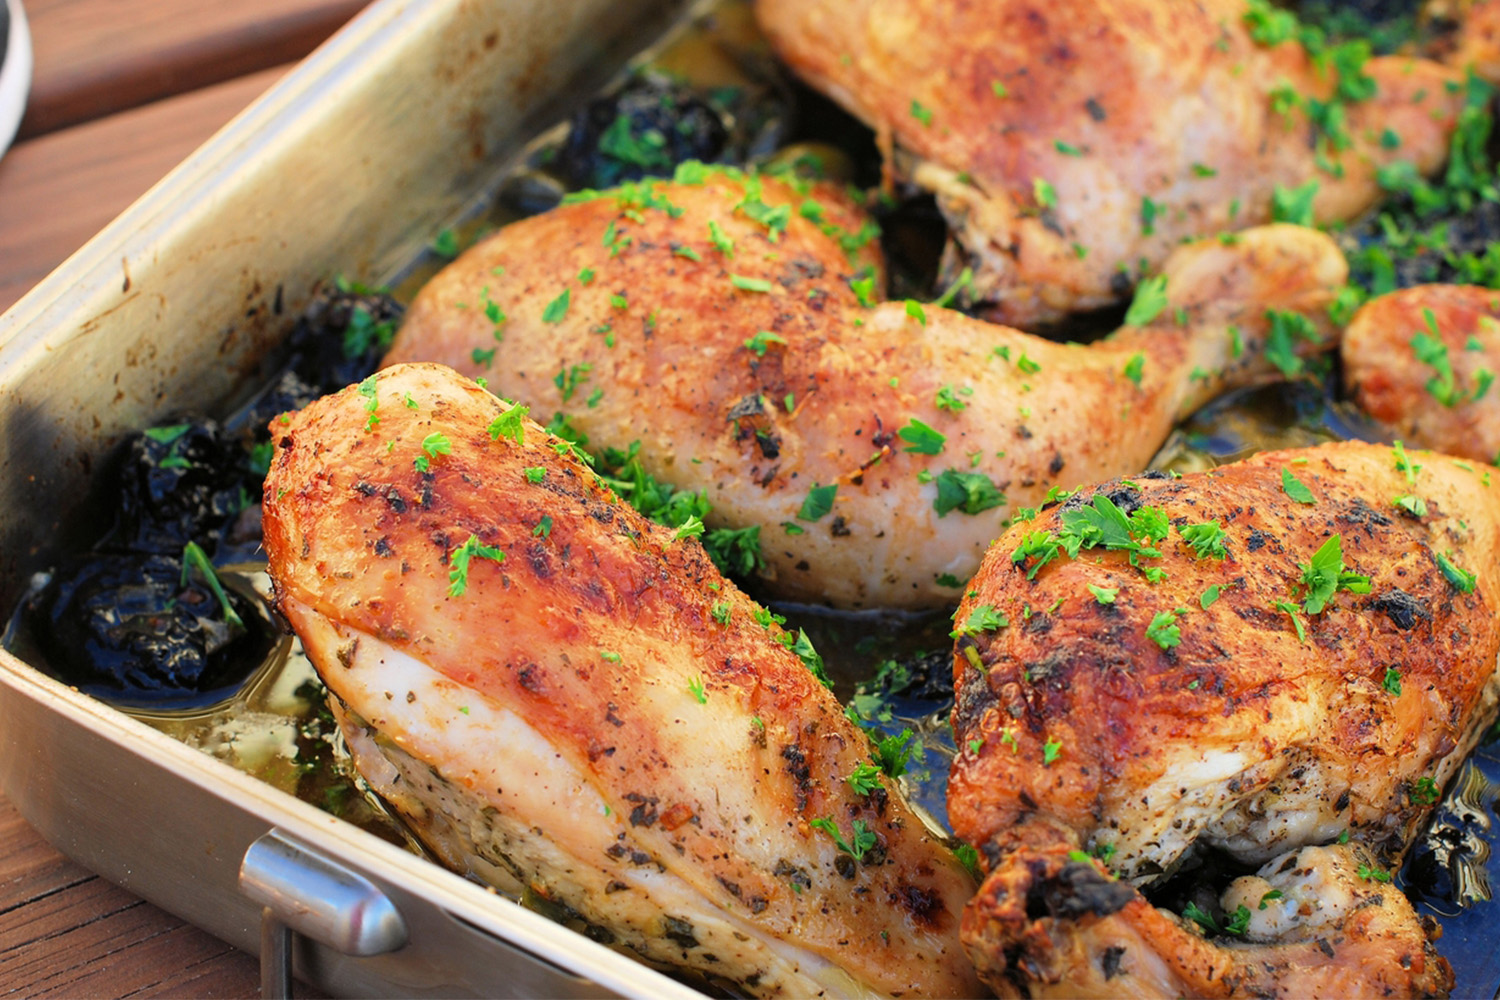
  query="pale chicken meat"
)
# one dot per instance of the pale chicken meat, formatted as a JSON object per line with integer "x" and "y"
{"x": 560, "y": 695}
{"x": 1072, "y": 144}
{"x": 1279, "y": 654}
{"x": 1422, "y": 362}
{"x": 723, "y": 324}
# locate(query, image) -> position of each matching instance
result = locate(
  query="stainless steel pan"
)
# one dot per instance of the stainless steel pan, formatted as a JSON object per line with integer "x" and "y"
{"x": 398, "y": 125}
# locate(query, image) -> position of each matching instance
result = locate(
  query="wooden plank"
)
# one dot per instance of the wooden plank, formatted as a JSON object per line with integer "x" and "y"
{"x": 69, "y": 933}
{"x": 59, "y": 190}
{"x": 97, "y": 57}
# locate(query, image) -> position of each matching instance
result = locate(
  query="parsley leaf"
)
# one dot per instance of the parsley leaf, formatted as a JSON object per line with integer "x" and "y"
{"x": 1164, "y": 630}
{"x": 864, "y": 837}
{"x": 558, "y": 307}
{"x": 865, "y": 779}
{"x": 1462, "y": 580}
{"x": 761, "y": 341}
{"x": 458, "y": 561}
{"x": 921, "y": 438}
{"x": 1150, "y": 299}
{"x": 1294, "y": 205}
{"x": 894, "y": 753}
{"x": 1207, "y": 539}
{"x": 970, "y": 492}
{"x": 1325, "y": 576}
{"x": 1295, "y": 488}
{"x": 984, "y": 618}
{"x": 818, "y": 502}
{"x": 508, "y": 424}
{"x": 1104, "y": 595}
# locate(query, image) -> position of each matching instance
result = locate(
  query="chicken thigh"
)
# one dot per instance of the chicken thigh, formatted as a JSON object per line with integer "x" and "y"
{"x": 1072, "y": 144}
{"x": 1422, "y": 360}
{"x": 558, "y": 694}
{"x": 1292, "y": 651}
{"x": 876, "y": 447}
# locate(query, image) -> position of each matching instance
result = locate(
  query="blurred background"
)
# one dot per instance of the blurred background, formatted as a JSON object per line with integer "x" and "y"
{"x": 121, "y": 91}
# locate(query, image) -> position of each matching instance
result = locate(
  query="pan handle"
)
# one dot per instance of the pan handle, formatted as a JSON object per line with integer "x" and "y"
{"x": 305, "y": 892}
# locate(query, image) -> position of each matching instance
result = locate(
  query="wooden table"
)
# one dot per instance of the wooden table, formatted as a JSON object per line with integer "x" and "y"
{"x": 122, "y": 91}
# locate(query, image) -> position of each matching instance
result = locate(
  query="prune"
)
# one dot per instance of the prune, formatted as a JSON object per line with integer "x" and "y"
{"x": 123, "y": 621}
{"x": 645, "y": 128}
{"x": 180, "y": 483}
{"x": 125, "y": 627}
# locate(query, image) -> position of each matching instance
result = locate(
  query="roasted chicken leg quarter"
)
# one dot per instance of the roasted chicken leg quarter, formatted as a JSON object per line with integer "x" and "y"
{"x": 1270, "y": 658}
{"x": 1423, "y": 361}
{"x": 559, "y": 695}
{"x": 1071, "y": 143}
{"x": 727, "y": 324}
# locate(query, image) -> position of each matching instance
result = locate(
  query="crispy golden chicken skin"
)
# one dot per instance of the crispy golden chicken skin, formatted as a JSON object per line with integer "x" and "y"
{"x": 1072, "y": 143}
{"x": 1429, "y": 379}
{"x": 714, "y": 323}
{"x": 553, "y": 690}
{"x": 1317, "y": 654}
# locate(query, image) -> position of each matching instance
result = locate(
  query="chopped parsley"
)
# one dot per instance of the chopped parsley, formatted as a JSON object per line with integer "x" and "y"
{"x": 1150, "y": 299}
{"x": 1325, "y": 576}
{"x": 558, "y": 307}
{"x": 1431, "y": 351}
{"x": 984, "y": 618}
{"x": 568, "y": 380}
{"x": 1286, "y": 329}
{"x": 696, "y": 689}
{"x": 915, "y": 311}
{"x": 1392, "y": 681}
{"x": 749, "y": 284}
{"x": 865, "y": 778}
{"x": 970, "y": 492}
{"x": 433, "y": 445}
{"x": 920, "y": 438}
{"x": 721, "y": 242}
{"x": 458, "y": 562}
{"x": 1207, "y": 539}
{"x": 1295, "y": 612}
{"x": 1462, "y": 580}
{"x": 1295, "y": 488}
{"x": 1294, "y": 205}
{"x": 1134, "y": 367}
{"x": 445, "y": 243}
{"x": 864, "y": 837}
{"x": 894, "y": 753}
{"x": 509, "y": 424}
{"x": 921, "y": 113}
{"x": 1164, "y": 629}
{"x": 1104, "y": 595}
{"x": 1051, "y": 750}
{"x": 864, "y": 290}
{"x": 818, "y": 502}
{"x": 761, "y": 341}
{"x": 1209, "y": 596}
{"x": 947, "y": 398}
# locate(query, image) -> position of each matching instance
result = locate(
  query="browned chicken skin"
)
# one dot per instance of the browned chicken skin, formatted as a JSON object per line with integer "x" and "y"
{"x": 1429, "y": 380}
{"x": 1326, "y": 686}
{"x": 1073, "y": 143}
{"x": 560, "y": 695}
{"x": 1049, "y": 923}
{"x": 736, "y": 353}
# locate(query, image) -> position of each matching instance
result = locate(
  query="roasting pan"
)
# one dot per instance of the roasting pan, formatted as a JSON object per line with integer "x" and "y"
{"x": 411, "y": 108}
